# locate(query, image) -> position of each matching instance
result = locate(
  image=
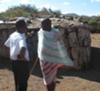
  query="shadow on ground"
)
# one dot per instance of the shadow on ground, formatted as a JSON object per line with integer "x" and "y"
{"x": 5, "y": 63}
{"x": 92, "y": 74}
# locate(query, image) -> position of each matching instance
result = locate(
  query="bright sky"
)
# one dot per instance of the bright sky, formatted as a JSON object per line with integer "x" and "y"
{"x": 81, "y": 7}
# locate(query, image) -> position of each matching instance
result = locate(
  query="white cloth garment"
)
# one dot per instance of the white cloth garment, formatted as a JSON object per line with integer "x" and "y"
{"x": 51, "y": 47}
{"x": 15, "y": 42}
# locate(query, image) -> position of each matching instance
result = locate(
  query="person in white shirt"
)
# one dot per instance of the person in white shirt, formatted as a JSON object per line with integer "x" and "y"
{"x": 19, "y": 55}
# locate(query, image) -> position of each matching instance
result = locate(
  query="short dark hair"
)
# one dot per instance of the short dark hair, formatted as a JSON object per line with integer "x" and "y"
{"x": 47, "y": 20}
{"x": 20, "y": 23}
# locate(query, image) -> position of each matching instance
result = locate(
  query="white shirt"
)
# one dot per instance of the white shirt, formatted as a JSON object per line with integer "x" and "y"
{"x": 15, "y": 42}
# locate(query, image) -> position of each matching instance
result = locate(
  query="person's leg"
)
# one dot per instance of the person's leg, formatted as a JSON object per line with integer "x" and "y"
{"x": 51, "y": 87}
{"x": 49, "y": 72}
{"x": 21, "y": 74}
{"x": 15, "y": 72}
{"x": 24, "y": 75}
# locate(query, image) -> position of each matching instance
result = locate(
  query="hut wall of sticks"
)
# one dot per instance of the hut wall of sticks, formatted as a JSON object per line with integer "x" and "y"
{"x": 77, "y": 40}
{"x": 76, "y": 37}
{"x": 5, "y": 31}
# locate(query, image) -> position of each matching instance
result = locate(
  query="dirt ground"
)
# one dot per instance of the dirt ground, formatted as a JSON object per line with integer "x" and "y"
{"x": 67, "y": 80}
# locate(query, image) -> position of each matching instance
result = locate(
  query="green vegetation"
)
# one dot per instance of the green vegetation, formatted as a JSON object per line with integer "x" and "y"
{"x": 91, "y": 20}
{"x": 19, "y": 11}
{"x": 94, "y": 20}
{"x": 27, "y": 11}
{"x": 85, "y": 19}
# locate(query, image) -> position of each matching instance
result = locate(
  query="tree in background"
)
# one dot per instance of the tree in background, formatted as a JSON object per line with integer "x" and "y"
{"x": 18, "y": 11}
{"x": 27, "y": 11}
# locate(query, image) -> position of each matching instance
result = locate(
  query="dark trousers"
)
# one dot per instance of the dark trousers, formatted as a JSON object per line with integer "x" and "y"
{"x": 21, "y": 74}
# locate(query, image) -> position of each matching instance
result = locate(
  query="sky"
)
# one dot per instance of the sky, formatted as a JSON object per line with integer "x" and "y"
{"x": 80, "y": 7}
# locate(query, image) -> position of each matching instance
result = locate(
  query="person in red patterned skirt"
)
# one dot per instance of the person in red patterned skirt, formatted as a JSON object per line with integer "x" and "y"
{"x": 49, "y": 70}
{"x": 48, "y": 53}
